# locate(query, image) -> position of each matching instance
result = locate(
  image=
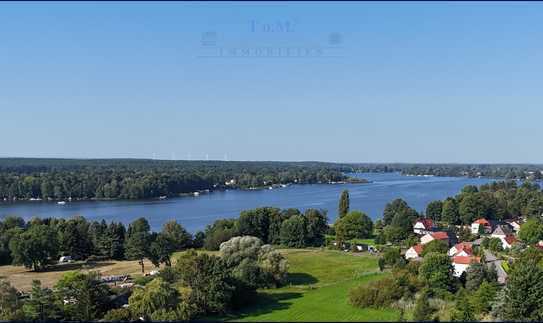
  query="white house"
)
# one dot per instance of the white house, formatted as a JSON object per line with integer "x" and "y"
{"x": 508, "y": 241}
{"x": 440, "y": 235}
{"x": 414, "y": 252}
{"x": 423, "y": 226}
{"x": 461, "y": 249}
{"x": 462, "y": 263}
{"x": 481, "y": 222}
{"x": 501, "y": 231}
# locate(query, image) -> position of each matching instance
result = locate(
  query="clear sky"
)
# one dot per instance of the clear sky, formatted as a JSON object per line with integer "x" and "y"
{"x": 351, "y": 82}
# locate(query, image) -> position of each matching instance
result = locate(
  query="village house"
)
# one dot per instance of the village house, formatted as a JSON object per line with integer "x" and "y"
{"x": 508, "y": 241}
{"x": 439, "y": 235}
{"x": 461, "y": 249}
{"x": 515, "y": 224}
{"x": 502, "y": 231}
{"x": 476, "y": 225}
{"x": 414, "y": 252}
{"x": 423, "y": 226}
{"x": 462, "y": 263}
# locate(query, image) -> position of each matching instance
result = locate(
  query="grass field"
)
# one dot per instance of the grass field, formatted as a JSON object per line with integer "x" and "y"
{"x": 21, "y": 278}
{"x": 320, "y": 281}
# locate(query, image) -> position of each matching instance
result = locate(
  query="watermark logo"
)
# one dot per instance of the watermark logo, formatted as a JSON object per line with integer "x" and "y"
{"x": 270, "y": 39}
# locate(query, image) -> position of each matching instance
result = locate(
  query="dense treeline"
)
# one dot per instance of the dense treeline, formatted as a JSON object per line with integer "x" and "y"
{"x": 133, "y": 179}
{"x": 288, "y": 227}
{"x": 508, "y": 171}
{"x": 40, "y": 242}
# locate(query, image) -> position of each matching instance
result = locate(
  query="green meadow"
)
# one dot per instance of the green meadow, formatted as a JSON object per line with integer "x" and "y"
{"x": 318, "y": 289}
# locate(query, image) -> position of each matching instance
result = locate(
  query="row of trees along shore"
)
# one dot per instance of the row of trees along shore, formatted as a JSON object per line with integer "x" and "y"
{"x": 38, "y": 243}
{"x": 22, "y": 178}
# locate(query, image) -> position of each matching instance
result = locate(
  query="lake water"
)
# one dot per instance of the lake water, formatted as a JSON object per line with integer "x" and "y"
{"x": 194, "y": 213}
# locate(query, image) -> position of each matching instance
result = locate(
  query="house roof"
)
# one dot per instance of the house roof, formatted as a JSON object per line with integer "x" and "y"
{"x": 482, "y": 221}
{"x": 502, "y": 230}
{"x": 418, "y": 248}
{"x": 440, "y": 235}
{"x": 427, "y": 223}
{"x": 464, "y": 246}
{"x": 510, "y": 239}
{"x": 465, "y": 260}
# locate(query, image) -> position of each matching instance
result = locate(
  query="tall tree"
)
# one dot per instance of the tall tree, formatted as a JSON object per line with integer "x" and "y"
{"x": 138, "y": 241}
{"x": 10, "y": 306}
{"x": 41, "y": 305}
{"x": 343, "y": 207}
{"x": 523, "y": 292}
{"x": 355, "y": 225}
{"x": 83, "y": 296}
{"x": 36, "y": 247}
{"x": 450, "y": 211}
{"x": 434, "y": 210}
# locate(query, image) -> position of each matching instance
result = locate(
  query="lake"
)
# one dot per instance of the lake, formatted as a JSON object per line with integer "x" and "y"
{"x": 194, "y": 213}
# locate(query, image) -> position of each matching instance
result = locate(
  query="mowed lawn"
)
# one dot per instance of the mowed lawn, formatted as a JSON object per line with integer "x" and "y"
{"x": 320, "y": 281}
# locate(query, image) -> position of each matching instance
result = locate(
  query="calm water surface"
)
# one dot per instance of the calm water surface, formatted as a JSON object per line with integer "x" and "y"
{"x": 194, "y": 213}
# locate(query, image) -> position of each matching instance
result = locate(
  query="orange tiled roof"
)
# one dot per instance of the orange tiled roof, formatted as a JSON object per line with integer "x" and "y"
{"x": 440, "y": 235}
{"x": 464, "y": 246}
{"x": 482, "y": 221}
{"x": 465, "y": 260}
{"x": 418, "y": 248}
{"x": 427, "y": 223}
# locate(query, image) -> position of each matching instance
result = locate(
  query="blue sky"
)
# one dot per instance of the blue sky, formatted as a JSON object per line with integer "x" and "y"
{"x": 351, "y": 82}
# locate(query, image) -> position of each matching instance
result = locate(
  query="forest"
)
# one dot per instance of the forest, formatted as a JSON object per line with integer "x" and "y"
{"x": 22, "y": 178}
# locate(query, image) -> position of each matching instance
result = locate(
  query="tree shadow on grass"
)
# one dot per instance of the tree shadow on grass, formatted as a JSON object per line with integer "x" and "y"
{"x": 297, "y": 279}
{"x": 265, "y": 303}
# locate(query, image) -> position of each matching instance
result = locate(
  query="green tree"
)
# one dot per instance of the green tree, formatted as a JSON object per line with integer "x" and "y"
{"x": 82, "y": 295}
{"x": 475, "y": 276}
{"x": 35, "y": 248}
{"x": 423, "y": 311}
{"x": 464, "y": 310}
{"x": 220, "y": 231}
{"x": 398, "y": 206}
{"x": 155, "y": 296}
{"x": 436, "y": 271}
{"x": 294, "y": 231}
{"x": 523, "y": 292}
{"x": 434, "y": 210}
{"x": 256, "y": 222}
{"x": 41, "y": 305}
{"x": 175, "y": 233}
{"x": 531, "y": 231}
{"x": 211, "y": 288}
{"x": 354, "y": 225}
{"x": 138, "y": 241}
{"x": 343, "y": 207}
{"x": 437, "y": 246}
{"x": 317, "y": 226}
{"x": 10, "y": 306}
{"x": 449, "y": 212}
{"x": 468, "y": 208}
{"x": 484, "y": 297}
{"x": 161, "y": 249}
{"x": 74, "y": 238}
{"x": 137, "y": 247}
